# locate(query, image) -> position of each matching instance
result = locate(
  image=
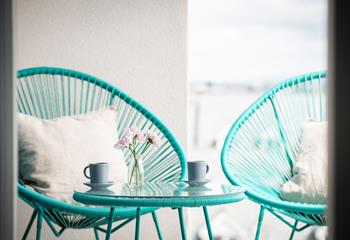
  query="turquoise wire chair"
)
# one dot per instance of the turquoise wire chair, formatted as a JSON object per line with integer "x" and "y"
{"x": 263, "y": 143}
{"x": 47, "y": 93}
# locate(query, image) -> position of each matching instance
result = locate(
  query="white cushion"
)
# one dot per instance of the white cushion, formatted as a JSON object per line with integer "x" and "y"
{"x": 53, "y": 153}
{"x": 309, "y": 181}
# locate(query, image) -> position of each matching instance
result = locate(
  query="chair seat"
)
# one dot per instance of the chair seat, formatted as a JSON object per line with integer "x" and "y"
{"x": 274, "y": 200}
{"x": 271, "y": 197}
{"x": 71, "y": 220}
{"x": 75, "y": 216}
{"x": 313, "y": 214}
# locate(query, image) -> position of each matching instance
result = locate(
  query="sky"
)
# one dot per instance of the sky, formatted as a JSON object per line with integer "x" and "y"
{"x": 256, "y": 41}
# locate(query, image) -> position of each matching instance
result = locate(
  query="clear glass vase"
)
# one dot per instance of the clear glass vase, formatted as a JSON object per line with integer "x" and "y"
{"x": 136, "y": 172}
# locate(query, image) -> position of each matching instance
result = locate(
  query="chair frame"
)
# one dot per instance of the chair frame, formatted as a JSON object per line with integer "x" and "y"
{"x": 309, "y": 214}
{"x": 38, "y": 92}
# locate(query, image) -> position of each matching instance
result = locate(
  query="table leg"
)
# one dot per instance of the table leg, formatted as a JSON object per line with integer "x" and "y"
{"x": 137, "y": 230}
{"x": 39, "y": 225}
{"x": 207, "y": 221}
{"x": 155, "y": 219}
{"x": 182, "y": 223}
{"x": 96, "y": 234}
{"x": 110, "y": 221}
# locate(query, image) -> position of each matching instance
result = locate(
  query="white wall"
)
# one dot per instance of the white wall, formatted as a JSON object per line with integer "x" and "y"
{"x": 139, "y": 46}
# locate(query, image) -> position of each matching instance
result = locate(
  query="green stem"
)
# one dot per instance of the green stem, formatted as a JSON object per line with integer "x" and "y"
{"x": 145, "y": 148}
{"x": 132, "y": 171}
{"x": 137, "y": 174}
{"x": 135, "y": 167}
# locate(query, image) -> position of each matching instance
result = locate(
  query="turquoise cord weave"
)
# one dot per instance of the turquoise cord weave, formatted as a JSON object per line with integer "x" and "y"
{"x": 263, "y": 143}
{"x": 47, "y": 92}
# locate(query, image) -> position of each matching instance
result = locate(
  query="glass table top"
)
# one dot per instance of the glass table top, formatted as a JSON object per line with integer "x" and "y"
{"x": 163, "y": 190}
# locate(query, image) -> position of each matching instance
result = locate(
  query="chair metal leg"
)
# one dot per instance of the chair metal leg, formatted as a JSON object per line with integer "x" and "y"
{"x": 96, "y": 234}
{"x": 110, "y": 221}
{"x": 182, "y": 223}
{"x": 293, "y": 231}
{"x": 137, "y": 229}
{"x": 155, "y": 220}
{"x": 207, "y": 221}
{"x": 29, "y": 226}
{"x": 39, "y": 225}
{"x": 261, "y": 217}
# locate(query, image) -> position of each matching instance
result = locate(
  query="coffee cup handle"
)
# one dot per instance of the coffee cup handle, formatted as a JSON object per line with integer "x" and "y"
{"x": 207, "y": 168}
{"x": 86, "y": 168}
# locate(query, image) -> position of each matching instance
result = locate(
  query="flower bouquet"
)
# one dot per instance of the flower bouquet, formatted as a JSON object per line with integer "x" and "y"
{"x": 137, "y": 142}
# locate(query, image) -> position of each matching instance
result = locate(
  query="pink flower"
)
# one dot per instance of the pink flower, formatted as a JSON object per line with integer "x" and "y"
{"x": 129, "y": 137}
{"x": 123, "y": 142}
{"x": 153, "y": 138}
{"x": 128, "y": 133}
{"x": 137, "y": 134}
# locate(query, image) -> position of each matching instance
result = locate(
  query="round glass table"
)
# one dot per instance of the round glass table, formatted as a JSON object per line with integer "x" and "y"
{"x": 159, "y": 195}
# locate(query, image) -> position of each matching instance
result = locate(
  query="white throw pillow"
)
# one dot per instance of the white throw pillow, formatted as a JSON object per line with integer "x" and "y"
{"x": 309, "y": 181}
{"x": 53, "y": 153}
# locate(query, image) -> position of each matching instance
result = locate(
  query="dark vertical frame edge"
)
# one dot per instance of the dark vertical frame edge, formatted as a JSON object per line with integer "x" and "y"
{"x": 8, "y": 141}
{"x": 331, "y": 102}
{"x": 339, "y": 116}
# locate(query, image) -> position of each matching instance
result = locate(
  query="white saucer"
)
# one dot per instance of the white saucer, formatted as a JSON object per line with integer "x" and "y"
{"x": 197, "y": 183}
{"x": 99, "y": 185}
